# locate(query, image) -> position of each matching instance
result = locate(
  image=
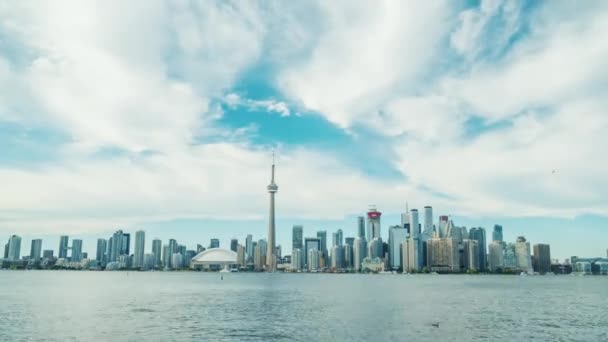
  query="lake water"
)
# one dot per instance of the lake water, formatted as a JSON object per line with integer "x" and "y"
{"x": 192, "y": 306}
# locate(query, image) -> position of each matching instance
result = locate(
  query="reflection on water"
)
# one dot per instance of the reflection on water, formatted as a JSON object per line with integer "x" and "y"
{"x": 111, "y": 306}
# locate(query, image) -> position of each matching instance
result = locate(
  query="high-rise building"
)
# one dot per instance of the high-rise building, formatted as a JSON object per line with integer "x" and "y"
{"x": 76, "y": 250}
{"x": 296, "y": 259}
{"x": 412, "y": 254}
{"x": 443, "y": 255}
{"x": 177, "y": 261}
{"x": 360, "y": 226}
{"x": 100, "y": 255}
{"x": 214, "y": 243}
{"x": 233, "y": 244}
{"x": 359, "y": 252}
{"x": 313, "y": 260}
{"x": 523, "y": 255}
{"x": 442, "y": 229}
{"x": 373, "y": 224}
{"x": 405, "y": 217}
{"x": 311, "y": 243}
{"x": 241, "y": 255}
{"x": 542, "y": 258}
{"x": 337, "y": 257}
{"x": 140, "y": 245}
{"x": 119, "y": 245}
{"x": 396, "y": 237}
{"x": 347, "y": 251}
{"x": 258, "y": 257}
{"x": 428, "y": 231}
{"x": 249, "y": 248}
{"x": 126, "y": 244}
{"x": 414, "y": 224}
{"x": 479, "y": 235}
{"x": 149, "y": 260}
{"x": 470, "y": 255}
{"x": 47, "y": 254}
{"x": 271, "y": 259}
{"x": 375, "y": 248}
{"x": 497, "y": 233}
{"x": 297, "y": 236}
{"x": 157, "y": 246}
{"x": 167, "y": 256}
{"x": 36, "y": 250}
{"x": 322, "y": 236}
{"x": 6, "y": 250}
{"x": 496, "y": 256}
{"x": 337, "y": 238}
{"x": 62, "y": 253}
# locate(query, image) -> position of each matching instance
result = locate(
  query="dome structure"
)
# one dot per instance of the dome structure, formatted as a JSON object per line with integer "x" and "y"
{"x": 215, "y": 256}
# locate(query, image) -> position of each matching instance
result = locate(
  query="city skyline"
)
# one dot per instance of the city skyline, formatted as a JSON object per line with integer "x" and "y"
{"x": 453, "y": 104}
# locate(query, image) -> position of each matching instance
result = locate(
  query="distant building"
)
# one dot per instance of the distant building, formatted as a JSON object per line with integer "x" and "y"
{"x": 510, "y": 258}
{"x": 149, "y": 261}
{"x": 360, "y": 226}
{"x": 443, "y": 255}
{"x": 47, "y": 254}
{"x": 36, "y": 250}
{"x": 140, "y": 245}
{"x": 542, "y": 258}
{"x": 479, "y": 235}
{"x": 442, "y": 229}
{"x": 241, "y": 255}
{"x": 470, "y": 255}
{"x": 76, "y": 250}
{"x": 337, "y": 257}
{"x": 337, "y": 238}
{"x": 372, "y": 265}
{"x": 359, "y": 252}
{"x": 523, "y": 255}
{"x": 496, "y": 256}
{"x": 322, "y": 236}
{"x": 176, "y": 261}
{"x": 414, "y": 224}
{"x": 311, "y": 243}
{"x": 313, "y": 259}
{"x": 233, "y": 244}
{"x": 157, "y": 247}
{"x": 100, "y": 255}
{"x": 347, "y": 251}
{"x": 214, "y": 243}
{"x": 412, "y": 254}
{"x": 375, "y": 248}
{"x": 397, "y": 235}
{"x": 296, "y": 259}
{"x": 14, "y": 248}
{"x": 428, "y": 231}
{"x": 63, "y": 247}
{"x": 373, "y": 224}
{"x": 249, "y": 248}
{"x": 497, "y": 233}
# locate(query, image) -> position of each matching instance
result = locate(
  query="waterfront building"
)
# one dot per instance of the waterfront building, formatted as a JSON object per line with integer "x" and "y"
{"x": 36, "y": 250}
{"x": 479, "y": 235}
{"x": 374, "y": 265}
{"x": 510, "y": 258}
{"x": 149, "y": 261}
{"x": 157, "y": 246}
{"x": 496, "y": 256}
{"x": 271, "y": 259}
{"x": 297, "y": 238}
{"x": 125, "y": 248}
{"x": 296, "y": 259}
{"x": 443, "y": 255}
{"x": 443, "y": 227}
{"x": 322, "y": 236}
{"x": 311, "y": 243}
{"x": 14, "y": 248}
{"x": 428, "y": 231}
{"x": 523, "y": 255}
{"x": 214, "y": 243}
{"x": 497, "y": 233}
{"x": 167, "y": 256}
{"x": 188, "y": 255}
{"x": 259, "y": 258}
{"x": 582, "y": 267}
{"x": 62, "y": 252}
{"x": 248, "y": 249}
{"x": 140, "y": 244}
{"x": 100, "y": 253}
{"x": 47, "y": 254}
{"x": 233, "y": 244}
{"x": 348, "y": 256}
{"x": 360, "y": 226}
{"x": 397, "y": 235}
{"x": 375, "y": 249}
{"x": 337, "y": 257}
{"x": 373, "y": 224}
{"x": 405, "y": 217}
{"x": 337, "y": 238}
{"x": 542, "y": 258}
{"x": 176, "y": 261}
{"x": 313, "y": 260}
{"x": 470, "y": 255}
{"x": 76, "y": 250}
{"x": 359, "y": 252}
{"x": 412, "y": 258}
{"x": 241, "y": 255}
{"x": 414, "y": 224}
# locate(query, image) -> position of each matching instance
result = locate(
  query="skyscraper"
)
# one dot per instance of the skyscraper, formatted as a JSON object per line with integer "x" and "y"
{"x": 214, "y": 243}
{"x": 396, "y": 237}
{"x": 414, "y": 224}
{"x": 373, "y": 223}
{"x": 140, "y": 245}
{"x": 63, "y": 247}
{"x": 442, "y": 228}
{"x": 496, "y": 256}
{"x": 157, "y": 246}
{"x": 249, "y": 249}
{"x": 234, "y": 244}
{"x": 523, "y": 255}
{"x": 360, "y": 226}
{"x": 427, "y": 232}
{"x": 443, "y": 255}
{"x": 471, "y": 255}
{"x": 100, "y": 255}
{"x": 297, "y": 240}
{"x": 479, "y": 235}
{"x": 271, "y": 262}
{"x": 126, "y": 244}
{"x": 76, "y": 250}
{"x": 6, "y": 250}
{"x": 311, "y": 243}
{"x": 36, "y": 250}
{"x": 497, "y": 233}
{"x": 337, "y": 238}
{"x": 14, "y": 248}
{"x": 322, "y": 236}
{"x": 405, "y": 217}
{"x": 542, "y": 258}
{"x": 337, "y": 257}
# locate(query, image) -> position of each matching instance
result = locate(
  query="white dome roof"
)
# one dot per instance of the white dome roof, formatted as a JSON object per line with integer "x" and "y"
{"x": 215, "y": 256}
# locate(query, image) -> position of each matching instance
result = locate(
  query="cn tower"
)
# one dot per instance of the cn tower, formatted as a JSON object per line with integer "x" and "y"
{"x": 271, "y": 260}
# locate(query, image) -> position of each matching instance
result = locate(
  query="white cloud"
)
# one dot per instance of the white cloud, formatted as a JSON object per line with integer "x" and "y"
{"x": 234, "y": 100}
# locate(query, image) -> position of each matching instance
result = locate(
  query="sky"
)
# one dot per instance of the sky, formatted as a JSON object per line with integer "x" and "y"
{"x": 163, "y": 115}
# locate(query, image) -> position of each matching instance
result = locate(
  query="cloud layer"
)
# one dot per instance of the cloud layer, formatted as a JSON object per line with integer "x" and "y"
{"x": 491, "y": 110}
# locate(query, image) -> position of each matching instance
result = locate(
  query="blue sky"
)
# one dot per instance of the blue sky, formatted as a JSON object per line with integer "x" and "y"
{"x": 162, "y": 115}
